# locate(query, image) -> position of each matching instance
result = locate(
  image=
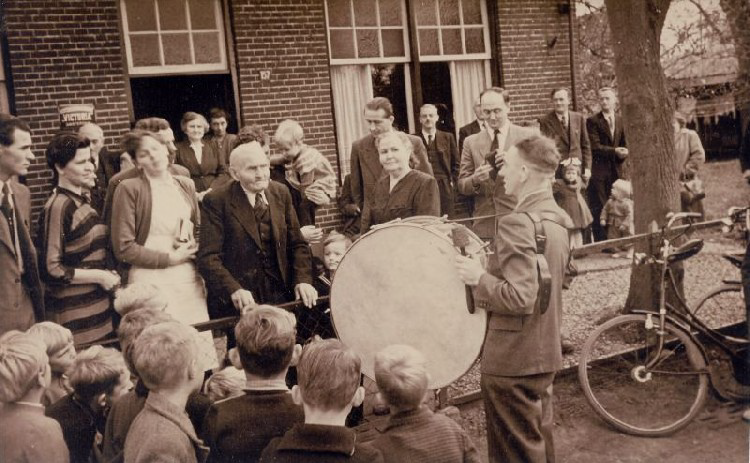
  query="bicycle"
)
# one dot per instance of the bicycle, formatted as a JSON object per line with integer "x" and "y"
{"x": 648, "y": 373}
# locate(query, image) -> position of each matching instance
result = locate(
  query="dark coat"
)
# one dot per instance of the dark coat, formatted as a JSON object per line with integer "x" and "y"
{"x": 415, "y": 194}
{"x": 571, "y": 143}
{"x": 211, "y": 168}
{"x": 604, "y": 162}
{"x": 464, "y": 132}
{"x": 319, "y": 443}
{"x": 448, "y": 159}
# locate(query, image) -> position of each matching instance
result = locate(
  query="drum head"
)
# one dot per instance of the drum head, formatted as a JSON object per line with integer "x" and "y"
{"x": 398, "y": 285}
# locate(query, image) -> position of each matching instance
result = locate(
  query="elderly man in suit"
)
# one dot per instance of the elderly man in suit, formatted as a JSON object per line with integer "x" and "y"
{"x": 476, "y": 175}
{"x": 609, "y": 156}
{"x": 568, "y": 129}
{"x": 104, "y": 163}
{"x": 521, "y": 350}
{"x": 251, "y": 248}
{"x": 475, "y": 126}
{"x": 442, "y": 154}
{"x": 22, "y": 301}
{"x": 365, "y": 160}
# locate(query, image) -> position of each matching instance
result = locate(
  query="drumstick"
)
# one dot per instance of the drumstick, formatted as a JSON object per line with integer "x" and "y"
{"x": 461, "y": 240}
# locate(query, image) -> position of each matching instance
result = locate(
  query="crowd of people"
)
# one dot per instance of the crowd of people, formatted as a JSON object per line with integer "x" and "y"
{"x": 142, "y": 243}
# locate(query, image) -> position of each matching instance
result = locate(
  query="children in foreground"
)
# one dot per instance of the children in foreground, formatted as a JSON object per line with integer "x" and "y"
{"x": 329, "y": 378}
{"x": 568, "y": 192}
{"x": 224, "y": 384}
{"x": 617, "y": 214}
{"x": 237, "y": 429}
{"x": 61, "y": 352}
{"x": 26, "y": 435}
{"x": 166, "y": 357}
{"x": 413, "y": 432}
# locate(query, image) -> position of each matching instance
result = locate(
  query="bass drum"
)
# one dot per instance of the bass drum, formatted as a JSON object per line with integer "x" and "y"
{"x": 398, "y": 284}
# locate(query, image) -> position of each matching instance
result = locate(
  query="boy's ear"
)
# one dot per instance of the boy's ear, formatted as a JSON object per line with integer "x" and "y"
{"x": 43, "y": 378}
{"x": 296, "y": 395}
{"x": 359, "y": 397}
{"x": 296, "y": 352}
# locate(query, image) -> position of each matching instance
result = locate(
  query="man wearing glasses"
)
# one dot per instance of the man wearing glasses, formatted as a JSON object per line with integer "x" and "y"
{"x": 480, "y": 158}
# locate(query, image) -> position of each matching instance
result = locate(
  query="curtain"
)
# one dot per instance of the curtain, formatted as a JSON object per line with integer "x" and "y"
{"x": 468, "y": 79}
{"x": 352, "y": 88}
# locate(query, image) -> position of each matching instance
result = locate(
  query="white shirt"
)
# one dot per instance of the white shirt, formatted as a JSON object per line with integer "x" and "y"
{"x": 427, "y": 136}
{"x": 198, "y": 149}
{"x": 251, "y": 196}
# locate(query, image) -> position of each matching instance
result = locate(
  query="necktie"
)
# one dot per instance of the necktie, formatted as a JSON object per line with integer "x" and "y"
{"x": 565, "y": 121}
{"x": 260, "y": 206}
{"x": 611, "y": 120}
{"x": 429, "y": 140}
{"x": 495, "y": 141}
{"x": 7, "y": 210}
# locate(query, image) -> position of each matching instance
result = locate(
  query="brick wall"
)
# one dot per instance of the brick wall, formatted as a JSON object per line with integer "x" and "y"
{"x": 287, "y": 38}
{"x": 64, "y": 52}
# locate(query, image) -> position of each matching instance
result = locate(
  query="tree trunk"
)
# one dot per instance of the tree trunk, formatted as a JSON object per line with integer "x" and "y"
{"x": 647, "y": 114}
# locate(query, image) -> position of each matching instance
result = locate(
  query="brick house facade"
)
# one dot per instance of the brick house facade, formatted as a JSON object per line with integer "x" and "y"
{"x": 74, "y": 51}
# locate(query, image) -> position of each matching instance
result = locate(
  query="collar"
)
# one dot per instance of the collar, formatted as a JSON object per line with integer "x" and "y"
{"x": 251, "y": 196}
{"x": 78, "y": 198}
{"x": 161, "y": 406}
{"x": 33, "y": 406}
{"x": 429, "y": 134}
{"x": 10, "y": 185}
{"x": 194, "y": 144}
{"x": 418, "y": 415}
{"x": 562, "y": 116}
{"x": 541, "y": 201}
{"x": 319, "y": 438}
{"x": 266, "y": 385}
{"x": 503, "y": 128}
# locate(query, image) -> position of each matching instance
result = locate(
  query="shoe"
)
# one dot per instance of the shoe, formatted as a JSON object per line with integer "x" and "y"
{"x": 567, "y": 347}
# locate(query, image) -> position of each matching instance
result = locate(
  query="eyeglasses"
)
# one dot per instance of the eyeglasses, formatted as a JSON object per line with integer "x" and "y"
{"x": 497, "y": 112}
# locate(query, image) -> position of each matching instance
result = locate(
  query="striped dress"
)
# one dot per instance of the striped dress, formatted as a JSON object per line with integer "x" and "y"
{"x": 72, "y": 236}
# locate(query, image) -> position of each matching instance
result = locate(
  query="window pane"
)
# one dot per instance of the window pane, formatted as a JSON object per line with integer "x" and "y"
{"x": 176, "y": 49}
{"x": 339, "y": 13}
{"x": 145, "y": 49}
{"x": 390, "y": 12}
{"x": 428, "y": 42}
{"x": 388, "y": 80}
{"x": 475, "y": 40}
{"x": 364, "y": 14}
{"x": 172, "y": 15}
{"x": 426, "y": 12}
{"x": 449, "y": 13}
{"x": 206, "y": 45}
{"x": 367, "y": 43}
{"x": 393, "y": 42}
{"x": 472, "y": 11}
{"x": 452, "y": 42}
{"x": 342, "y": 44}
{"x": 202, "y": 14}
{"x": 141, "y": 15}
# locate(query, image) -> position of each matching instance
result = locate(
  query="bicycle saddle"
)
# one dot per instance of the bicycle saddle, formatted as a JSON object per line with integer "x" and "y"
{"x": 687, "y": 250}
{"x": 734, "y": 259}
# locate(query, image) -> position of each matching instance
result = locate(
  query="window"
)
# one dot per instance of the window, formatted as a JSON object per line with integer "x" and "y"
{"x": 452, "y": 30}
{"x": 173, "y": 36}
{"x": 5, "y": 103}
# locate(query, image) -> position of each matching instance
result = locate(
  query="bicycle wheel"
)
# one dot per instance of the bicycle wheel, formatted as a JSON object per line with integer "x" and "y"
{"x": 654, "y": 402}
{"x": 721, "y": 306}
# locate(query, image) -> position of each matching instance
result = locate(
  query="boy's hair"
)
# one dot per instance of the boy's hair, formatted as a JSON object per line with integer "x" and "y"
{"x": 217, "y": 113}
{"x": 22, "y": 358}
{"x": 541, "y": 152}
{"x": 401, "y": 375}
{"x": 336, "y": 237}
{"x": 55, "y": 337}
{"x": 289, "y": 131}
{"x": 265, "y": 340}
{"x": 135, "y": 296}
{"x": 96, "y": 370}
{"x": 328, "y": 374}
{"x": 624, "y": 186}
{"x": 131, "y": 327}
{"x": 252, "y": 132}
{"x": 164, "y": 353}
{"x": 226, "y": 383}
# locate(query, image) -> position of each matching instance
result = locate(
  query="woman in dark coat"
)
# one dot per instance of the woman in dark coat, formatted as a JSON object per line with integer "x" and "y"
{"x": 202, "y": 158}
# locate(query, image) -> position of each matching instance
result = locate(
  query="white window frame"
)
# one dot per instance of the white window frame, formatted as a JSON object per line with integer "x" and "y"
{"x": 462, "y": 27}
{"x": 220, "y": 67}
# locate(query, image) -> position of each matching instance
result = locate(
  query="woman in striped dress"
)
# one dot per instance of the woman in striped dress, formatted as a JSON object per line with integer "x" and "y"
{"x": 73, "y": 251}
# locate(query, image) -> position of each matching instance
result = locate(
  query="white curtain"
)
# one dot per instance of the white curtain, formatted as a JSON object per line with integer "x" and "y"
{"x": 468, "y": 79}
{"x": 352, "y": 88}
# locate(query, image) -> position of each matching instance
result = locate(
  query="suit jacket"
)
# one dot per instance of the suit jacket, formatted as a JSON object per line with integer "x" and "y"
{"x": 464, "y": 132}
{"x": 448, "y": 157}
{"x": 229, "y": 255}
{"x": 366, "y": 168}
{"x": 211, "y": 168}
{"x": 520, "y": 339}
{"x": 604, "y": 162}
{"x": 571, "y": 143}
{"x": 490, "y": 197}
{"x": 21, "y": 293}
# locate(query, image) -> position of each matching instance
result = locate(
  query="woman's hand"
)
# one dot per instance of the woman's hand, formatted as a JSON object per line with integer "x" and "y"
{"x": 183, "y": 253}
{"x": 108, "y": 280}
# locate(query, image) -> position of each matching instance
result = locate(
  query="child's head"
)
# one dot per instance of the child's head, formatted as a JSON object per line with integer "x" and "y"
{"x": 621, "y": 189}
{"x": 24, "y": 366}
{"x": 59, "y": 341}
{"x": 166, "y": 357}
{"x": 99, "y": 375}
{"x": 131, "y": 327}
{"x": 401, "y": 375}
{"x": 328, "y": 375}
{"x": 225, "y": 384}
{"x": 288, "y": 137}
{"x": 334, "y": 247}
{"x": 571, "y": 170}
{"x": 266, "y": 341}
{"x": 140, "y": 295}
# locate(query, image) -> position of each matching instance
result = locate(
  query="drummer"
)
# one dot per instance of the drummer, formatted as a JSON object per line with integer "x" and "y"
{"x": 403, "y": 192}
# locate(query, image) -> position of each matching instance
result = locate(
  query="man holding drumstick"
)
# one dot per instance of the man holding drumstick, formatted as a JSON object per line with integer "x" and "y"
{"x": 521, "y": 350}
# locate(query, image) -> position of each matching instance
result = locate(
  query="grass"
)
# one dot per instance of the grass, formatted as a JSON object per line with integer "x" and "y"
{"x": 724, "y": 186}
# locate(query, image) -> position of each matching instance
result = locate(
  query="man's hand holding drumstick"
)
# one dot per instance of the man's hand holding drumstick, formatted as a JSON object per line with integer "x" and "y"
{"x": 470, "y": 269}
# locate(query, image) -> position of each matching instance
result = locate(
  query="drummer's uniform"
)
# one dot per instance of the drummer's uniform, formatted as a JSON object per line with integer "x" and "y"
{"x": 521, "y": 351}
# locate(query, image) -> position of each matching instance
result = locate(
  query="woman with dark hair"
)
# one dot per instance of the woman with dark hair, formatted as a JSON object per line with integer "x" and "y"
{"x": 690, "y": 158}
{"x": 73, "y": 252}
{"x": 201, "y": 158}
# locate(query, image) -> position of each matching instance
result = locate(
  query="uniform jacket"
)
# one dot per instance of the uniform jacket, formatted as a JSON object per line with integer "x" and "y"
{"x": 604, "y": 162}
{"x": 211, "y": 168}
{"x": 520, "y": 340}
{"x": 366, "y": 168}
{"x": 571, "y": 143}
{"x": 464, "y": 132}
{"x": 448, "y": 156}
{"x": 490, "y": 197}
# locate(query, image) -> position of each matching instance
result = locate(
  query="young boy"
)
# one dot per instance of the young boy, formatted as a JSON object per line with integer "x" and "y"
{"x": 413, "y": 432}
{"x": 98, "y": 378}
{"x": 224, "y": 384}
{"x": 61, "y": 352}
{"x": 329, "y": 378}
{"x": 26, "y": 435}
{"x": 617, "y": 214}
{"x": 166, "y": 358}
{"x": 238, "y": 429}
{"x": 307, "y": 171}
